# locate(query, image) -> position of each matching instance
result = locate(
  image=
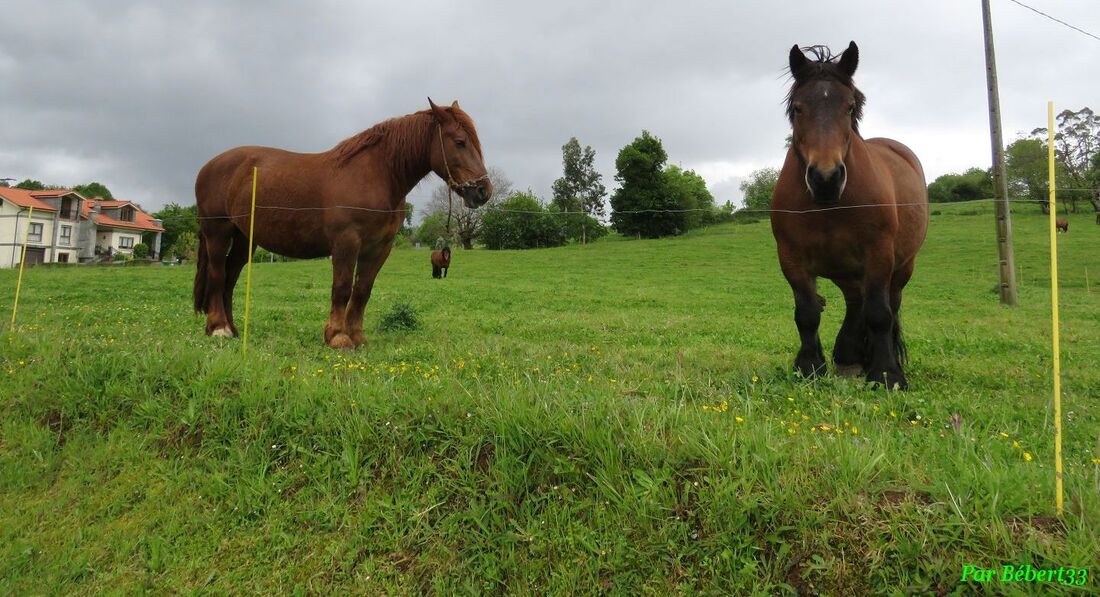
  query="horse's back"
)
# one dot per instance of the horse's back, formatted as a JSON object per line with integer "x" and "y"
{"x": 228, "y": 175}
{"x": 904, "y": 167}
{"x": 910, "y": 192}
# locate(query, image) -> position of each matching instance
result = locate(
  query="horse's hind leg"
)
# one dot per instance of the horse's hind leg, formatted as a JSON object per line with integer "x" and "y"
{"x": 218, "y": 235}
{"x": 234, "y": 263}
{"x": 850, "y": 349}
{"x": 897, "y": 284}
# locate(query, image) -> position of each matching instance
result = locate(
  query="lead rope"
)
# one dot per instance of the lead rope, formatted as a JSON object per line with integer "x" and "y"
{"x": 450, "y": 180}
{"x": 451, "y": 184}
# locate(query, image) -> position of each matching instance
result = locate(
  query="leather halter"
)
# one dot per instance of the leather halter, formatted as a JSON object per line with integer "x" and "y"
{"x": 451, "y": 184}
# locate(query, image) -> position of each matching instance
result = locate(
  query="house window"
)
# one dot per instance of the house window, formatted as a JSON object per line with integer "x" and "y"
{"x": 67, "y": 208}
{"x": 62, "y": 257}
{"x": 127, "y": 214}
{"x": 66, "y": 235}
{"x": 35, "y": 235}
{"x": 126, "y": 242}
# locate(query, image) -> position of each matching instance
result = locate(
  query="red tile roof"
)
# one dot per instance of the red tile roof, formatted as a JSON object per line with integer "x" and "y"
{"x": 142, "y": 220}
{"x": 24, "y": 198}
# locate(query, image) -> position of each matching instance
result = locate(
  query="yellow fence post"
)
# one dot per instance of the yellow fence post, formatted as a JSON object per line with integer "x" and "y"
{"x": 22, "y": 262}
{"x": 1054, "y": 317}
{"x": 248, "y": 275}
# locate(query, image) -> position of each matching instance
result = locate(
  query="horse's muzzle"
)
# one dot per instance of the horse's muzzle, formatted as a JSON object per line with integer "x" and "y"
{"x": 474, "y": 196}
{"x": 826, "y": 187}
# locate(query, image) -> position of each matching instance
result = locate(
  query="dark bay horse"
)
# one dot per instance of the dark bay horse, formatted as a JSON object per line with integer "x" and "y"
{"x": 441, "y": 262}
{"x": 347, "y": 202}
{"x": 849, "y": 209}
{"x": 1062, "y": 224}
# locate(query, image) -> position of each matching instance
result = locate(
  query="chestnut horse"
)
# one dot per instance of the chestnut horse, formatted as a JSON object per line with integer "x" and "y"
{"x": 347, "y": 202}
{"x": 441, "y": 262}
{"x": 849, "y": 209}
{"x": 1062, "y": 224}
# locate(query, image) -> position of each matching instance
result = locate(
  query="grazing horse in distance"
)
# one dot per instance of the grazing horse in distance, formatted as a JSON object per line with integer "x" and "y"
{"x": 849, "y": 209}
{"x": 441, "y": 262}
{"x": 1062, "y": 224}
{"x": 347, "y": 202}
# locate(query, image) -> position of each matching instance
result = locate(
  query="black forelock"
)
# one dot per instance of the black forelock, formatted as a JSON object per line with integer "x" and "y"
{"x": 823, "y": 66}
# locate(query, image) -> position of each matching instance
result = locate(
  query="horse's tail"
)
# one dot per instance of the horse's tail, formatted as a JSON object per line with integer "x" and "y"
{"x": 200, "y": 277}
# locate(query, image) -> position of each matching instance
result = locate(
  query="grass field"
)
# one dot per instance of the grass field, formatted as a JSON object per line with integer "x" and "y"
{"x": 614, "y": 418}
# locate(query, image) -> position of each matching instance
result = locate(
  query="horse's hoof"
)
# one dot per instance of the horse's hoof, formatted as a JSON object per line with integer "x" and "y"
{"x": 341, "y": 341}
{"x": 222, "y": 332}
{"x": 810, "y": 367}
{"x": 358, "y": 338}
{"x": 890, "y": 380}
{"x": 849, "y": 370}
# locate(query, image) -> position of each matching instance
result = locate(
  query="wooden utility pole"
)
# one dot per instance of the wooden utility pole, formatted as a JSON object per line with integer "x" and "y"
{"x": 1000, "y": 181}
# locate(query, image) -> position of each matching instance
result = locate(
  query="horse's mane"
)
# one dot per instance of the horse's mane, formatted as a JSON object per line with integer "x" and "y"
{"x": 404, "y": 140}
{"x": 823, "y": 66}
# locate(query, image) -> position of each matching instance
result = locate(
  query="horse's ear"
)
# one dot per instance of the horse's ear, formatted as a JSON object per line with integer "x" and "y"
{"x": 849, "y": 60}
{"x": 798, "y": 61}
{"x": 439, "y": 113}
{"x": 454, "y": 104}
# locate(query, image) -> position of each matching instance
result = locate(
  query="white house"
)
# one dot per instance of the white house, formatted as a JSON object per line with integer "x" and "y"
{"x": 66, "y": 227}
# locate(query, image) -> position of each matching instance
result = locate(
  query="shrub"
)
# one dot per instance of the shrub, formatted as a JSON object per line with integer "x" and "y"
{"x": 141, "y": 251}
{"x": 402, "y": 316}
{"x": 522, "y": 222}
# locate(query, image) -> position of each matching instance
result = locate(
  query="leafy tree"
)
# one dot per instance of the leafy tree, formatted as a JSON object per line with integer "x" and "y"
{"x": 186, "y": 246}
{"x": 141, "y": 251}
{"x": 975, "y": 183}
{"x": 176, "y": 219}
{"x": 31, "y": 185}
{"x": 641, "y": 206}
{"x": 759, "y": 187}
{"x": 432, "y": 227}
{"x": 93, "y": 190}
{"x": 580, "y": 187}
{"x": 1027, "y": 170}
{"x": 521, "y": 222}
{"x": 466, "y": 222}
{"x": 692, "y": 197}
{"x": 1076, "y": 145}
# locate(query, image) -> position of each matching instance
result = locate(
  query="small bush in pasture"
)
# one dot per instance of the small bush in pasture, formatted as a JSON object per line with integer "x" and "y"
{"x": 141, "y": 251}
{"x": 402, "y": 316}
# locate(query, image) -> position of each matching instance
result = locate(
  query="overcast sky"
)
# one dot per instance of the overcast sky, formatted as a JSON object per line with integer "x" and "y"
{"x": 139, "y": 95}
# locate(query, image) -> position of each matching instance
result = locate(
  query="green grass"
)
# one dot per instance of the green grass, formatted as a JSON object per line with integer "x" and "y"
{"x": 616, "y": 418}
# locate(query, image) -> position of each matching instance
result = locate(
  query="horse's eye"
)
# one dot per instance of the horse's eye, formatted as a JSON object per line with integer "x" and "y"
{"x": 798, "y": 109}
{"x": 460, "y": 142}
{"x": 851, "y": 110}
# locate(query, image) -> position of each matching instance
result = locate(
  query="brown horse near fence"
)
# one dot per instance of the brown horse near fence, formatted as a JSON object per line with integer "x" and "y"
{"x": 347, "y": 202}
{"x": 1062, "y": 224}
{"x": 441, "y": 262}
{"x": 849, "y": 209}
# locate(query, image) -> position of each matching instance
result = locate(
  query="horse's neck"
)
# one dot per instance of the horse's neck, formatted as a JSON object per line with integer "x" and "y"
{"x": 403, "y": 154}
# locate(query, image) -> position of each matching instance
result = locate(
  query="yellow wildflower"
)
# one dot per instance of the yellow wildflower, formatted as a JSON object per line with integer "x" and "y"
{"x": 1027, "y": 456}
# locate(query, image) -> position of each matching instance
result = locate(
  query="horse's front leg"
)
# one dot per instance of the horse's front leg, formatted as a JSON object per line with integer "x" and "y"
{"x": 344, "y": 256}
{"x": 878, "y": 317}
{"x": 370, "y": 263}
{"x": 810, "y": 361}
